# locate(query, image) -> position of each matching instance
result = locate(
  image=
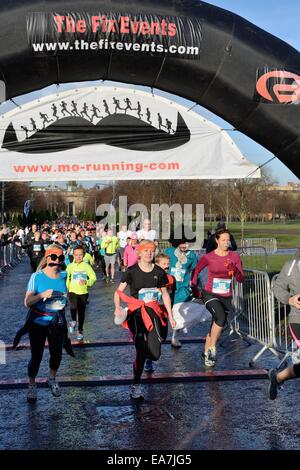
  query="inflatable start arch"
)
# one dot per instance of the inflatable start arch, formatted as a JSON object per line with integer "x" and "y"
{"x": 189, "y": 48}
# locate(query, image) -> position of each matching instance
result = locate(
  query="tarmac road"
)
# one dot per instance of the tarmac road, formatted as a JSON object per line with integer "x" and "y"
{"x": 210, "y": 415}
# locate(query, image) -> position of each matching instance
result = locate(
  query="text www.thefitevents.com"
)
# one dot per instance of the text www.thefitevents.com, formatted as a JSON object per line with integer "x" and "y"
{"x": 104, "y": 44}
{"x": 97, "y": 167}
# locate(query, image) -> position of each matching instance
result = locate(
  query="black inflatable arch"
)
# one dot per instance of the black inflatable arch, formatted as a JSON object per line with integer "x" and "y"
{"x": 241, "y": 73}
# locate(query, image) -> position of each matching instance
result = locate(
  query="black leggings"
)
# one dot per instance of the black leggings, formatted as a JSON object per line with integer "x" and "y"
{"x": 78, "y": 305}
{"x": 147, "y": 344}
{"x": 218, "y": 306}
{"x": 295, "y": 330}
{"x": 37, "y": 336}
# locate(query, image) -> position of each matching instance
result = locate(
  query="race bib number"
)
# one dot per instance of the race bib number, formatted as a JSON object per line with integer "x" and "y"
{"x": 221, "y": 286}
{"x": 79, "y": 276}
{"x": 178, "y": 274}
{"x": 56, "y": 302}
{"x": 150, "y": 294}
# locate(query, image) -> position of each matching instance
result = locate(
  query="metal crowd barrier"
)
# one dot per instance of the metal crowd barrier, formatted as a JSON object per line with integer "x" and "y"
{"x": 254, "y": 257}
{"x": 163, "y": 245}
{"x": 253, "y": 318}
{"x": 270, "y": 244}
{"x": 258, "y": 316}
{"x": 10, "y": 256}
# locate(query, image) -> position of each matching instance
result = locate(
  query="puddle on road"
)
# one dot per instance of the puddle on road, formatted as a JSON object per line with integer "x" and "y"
{"x": 122, "y": 414}
{"x": 116, "y": 414}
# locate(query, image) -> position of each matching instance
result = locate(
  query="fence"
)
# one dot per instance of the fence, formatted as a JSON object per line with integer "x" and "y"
{"x": 258, "y": 316}
{"x": 254, "y": 257}
{"x": 253, "y": 318}
{"x": 270, "y": 244}
{"x": 10, "y": 256}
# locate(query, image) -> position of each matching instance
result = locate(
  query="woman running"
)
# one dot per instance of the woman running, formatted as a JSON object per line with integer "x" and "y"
{"x": 46, "y": 298}
{"x": 146, "y": 319}
{"x": 222, "y": 265}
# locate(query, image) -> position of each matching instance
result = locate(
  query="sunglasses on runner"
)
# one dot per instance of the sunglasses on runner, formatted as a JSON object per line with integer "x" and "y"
{"x": 54, "y": 257}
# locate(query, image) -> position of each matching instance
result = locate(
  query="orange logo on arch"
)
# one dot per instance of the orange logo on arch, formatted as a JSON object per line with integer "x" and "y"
{"x": 277, "y": 81}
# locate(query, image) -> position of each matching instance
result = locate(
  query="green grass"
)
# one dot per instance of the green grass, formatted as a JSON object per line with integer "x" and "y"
{"x": 287, "y": 235}
{"x": 276, "y": 262}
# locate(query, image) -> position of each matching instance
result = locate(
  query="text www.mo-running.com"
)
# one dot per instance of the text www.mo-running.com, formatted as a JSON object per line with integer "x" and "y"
{"x": 96, "y": 167}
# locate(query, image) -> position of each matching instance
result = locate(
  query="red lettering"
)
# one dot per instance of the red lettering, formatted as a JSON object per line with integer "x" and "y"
{"x": 124, "y": 25}
{"x": 70, "y": 25}
{"x": 95, "y": 23}
{"x": 164, "y": 27}
{"x": 172, "y": 30}
{"x": 81, "y": 26}
{"x": 134, "y": 26}
{"x": 103, "y": 24}
{"x": 284, "y": 92}
{"x": 144, "y": 28}
{"x": 155, "y": 28}
{"x": 111, "y": 26}
{"x": 59, "y": 20}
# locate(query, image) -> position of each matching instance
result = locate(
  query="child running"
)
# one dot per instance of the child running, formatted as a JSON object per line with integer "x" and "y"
{"x": 80, "y": 276}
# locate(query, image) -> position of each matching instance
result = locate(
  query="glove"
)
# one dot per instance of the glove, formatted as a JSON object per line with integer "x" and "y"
{"x": 196, "y": 292}
{"x": 231, "y": 268}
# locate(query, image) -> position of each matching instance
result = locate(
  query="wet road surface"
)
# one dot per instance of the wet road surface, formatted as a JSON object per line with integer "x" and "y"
{"x": 178, "y": 416}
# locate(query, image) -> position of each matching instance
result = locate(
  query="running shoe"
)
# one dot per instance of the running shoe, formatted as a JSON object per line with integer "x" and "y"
{"x": 176, "y": 343}
{"x": 112, "y": 280}
{"x": 149, "y": 368}
{"x": 79, "y": 336}
{"x": 32, "y": 393}
{"x": 209, "y": 357}
{"x": 72, "y": 327}
{"x": 136, "y": 392}
{"x": 54, "y": 387}
{"x": 274, "y": 386}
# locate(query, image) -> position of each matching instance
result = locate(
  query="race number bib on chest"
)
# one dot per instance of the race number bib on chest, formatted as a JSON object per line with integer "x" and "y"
{"x": 178, "y": 274}
{"x": 56, "y": 302}
{"x": 221, "y": 286}
{"x": 150, "y": 294}
{"x": 79, "y": 276}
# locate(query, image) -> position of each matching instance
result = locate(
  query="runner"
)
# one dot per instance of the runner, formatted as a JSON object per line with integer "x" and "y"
{"x": 46, "y": 298}
{"x": 163, "y": 261}
{"x": 73, "y": 242}
{"x": 45, "y": 239}
{"x": 36, "y": 251}
{"x": 110, "y": 244}
{"x": 80, "y": 276}
{"x": 182, "y": 263}
{"x": 287, "y": 291}
{"x": 131, "y": 252}
{"x": 145, "y": 317}
{"x": 146, "y": 233}
{"x": 122, "y": 236}
{"x": 222, "y": 265}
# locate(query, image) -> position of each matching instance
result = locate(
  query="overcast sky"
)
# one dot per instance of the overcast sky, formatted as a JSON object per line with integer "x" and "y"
{"x": 280, "y": 19}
